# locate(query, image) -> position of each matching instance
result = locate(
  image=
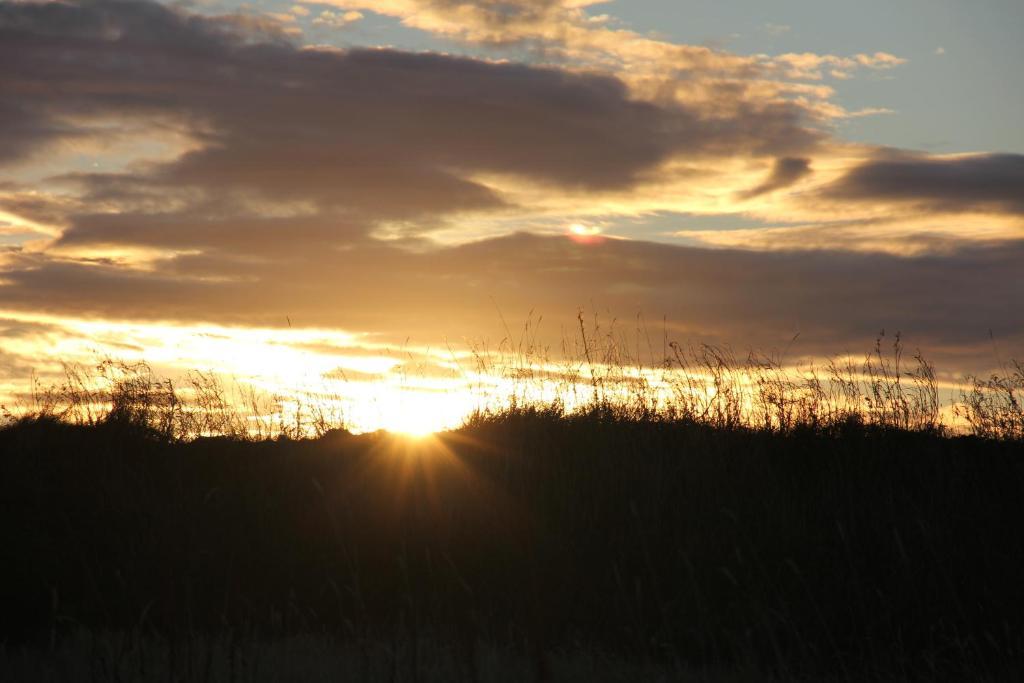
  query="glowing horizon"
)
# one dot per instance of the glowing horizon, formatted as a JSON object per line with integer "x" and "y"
{"x": 295, "y": 377}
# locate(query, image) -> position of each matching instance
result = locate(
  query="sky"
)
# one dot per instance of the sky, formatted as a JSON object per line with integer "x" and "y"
{"x": 300, "y": 191}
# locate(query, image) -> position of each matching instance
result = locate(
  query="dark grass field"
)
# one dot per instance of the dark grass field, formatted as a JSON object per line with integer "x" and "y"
{"x": 528, "y": 545}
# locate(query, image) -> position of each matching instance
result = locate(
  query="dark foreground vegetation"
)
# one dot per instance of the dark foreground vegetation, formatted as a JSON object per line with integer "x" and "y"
{"x": 528, "y": 545}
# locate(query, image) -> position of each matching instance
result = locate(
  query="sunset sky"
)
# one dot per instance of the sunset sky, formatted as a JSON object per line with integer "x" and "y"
{"x": 297, "y": 192}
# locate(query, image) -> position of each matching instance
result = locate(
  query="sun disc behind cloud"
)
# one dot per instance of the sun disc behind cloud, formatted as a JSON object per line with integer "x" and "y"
{"x": 582, "y": 230}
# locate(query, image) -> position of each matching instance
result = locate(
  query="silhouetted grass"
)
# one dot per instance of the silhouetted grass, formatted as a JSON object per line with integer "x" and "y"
{"x": 846, "y": 550}
{"x": 596, "y": 371}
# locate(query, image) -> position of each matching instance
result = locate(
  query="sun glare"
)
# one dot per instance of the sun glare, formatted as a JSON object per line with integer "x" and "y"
{"x": 415, "y": 430}
{"x": 420, "y": 414}
{"x": 584, "y": 230}
{"x": 585, "y": 234}
{"x": 296, "y": 370}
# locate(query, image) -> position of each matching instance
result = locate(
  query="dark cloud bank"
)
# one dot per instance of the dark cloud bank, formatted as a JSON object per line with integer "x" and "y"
{"x": 342, "y": 128}
{"x": 364, "y": 138}
{"x": 977, "y": 182}
{"x": 837, "y": 301}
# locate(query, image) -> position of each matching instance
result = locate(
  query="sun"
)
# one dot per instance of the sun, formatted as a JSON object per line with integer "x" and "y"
{"x": 414, "y": 427}
{"x": 418, "y": 414}
{"x": 585, "y": 234}
{"x": 581, "y": 230}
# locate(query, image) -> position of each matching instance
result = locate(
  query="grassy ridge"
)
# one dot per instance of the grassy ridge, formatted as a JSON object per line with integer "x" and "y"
{"x": 849, "y": 550}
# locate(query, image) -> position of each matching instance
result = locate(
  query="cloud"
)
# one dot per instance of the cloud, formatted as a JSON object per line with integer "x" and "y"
{"x": 909, "y": 235}
{"x": 810, "y": 65}
{"x": 976, "y": 182}
{"x": 564, "y": 30}
{"x": 363, "y": 137}
{"x": 144, "y": 58}
{"x": 343, "y": 146}
{"x": 237, "y": 233}
{"x": 787, "y": 170}
{"x": 836, "y": 300}
{"x": 308, "y": 180}
{"x": 337, "y": 19}
{"x": 492, "y": 21}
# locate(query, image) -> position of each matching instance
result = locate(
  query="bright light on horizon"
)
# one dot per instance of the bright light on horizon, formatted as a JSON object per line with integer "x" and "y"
{"x": 582, "y": 230}
{"x": 311, "y": 379}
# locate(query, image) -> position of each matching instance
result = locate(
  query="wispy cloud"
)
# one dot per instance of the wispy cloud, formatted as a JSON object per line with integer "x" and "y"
{"x": 337, "y": 19}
